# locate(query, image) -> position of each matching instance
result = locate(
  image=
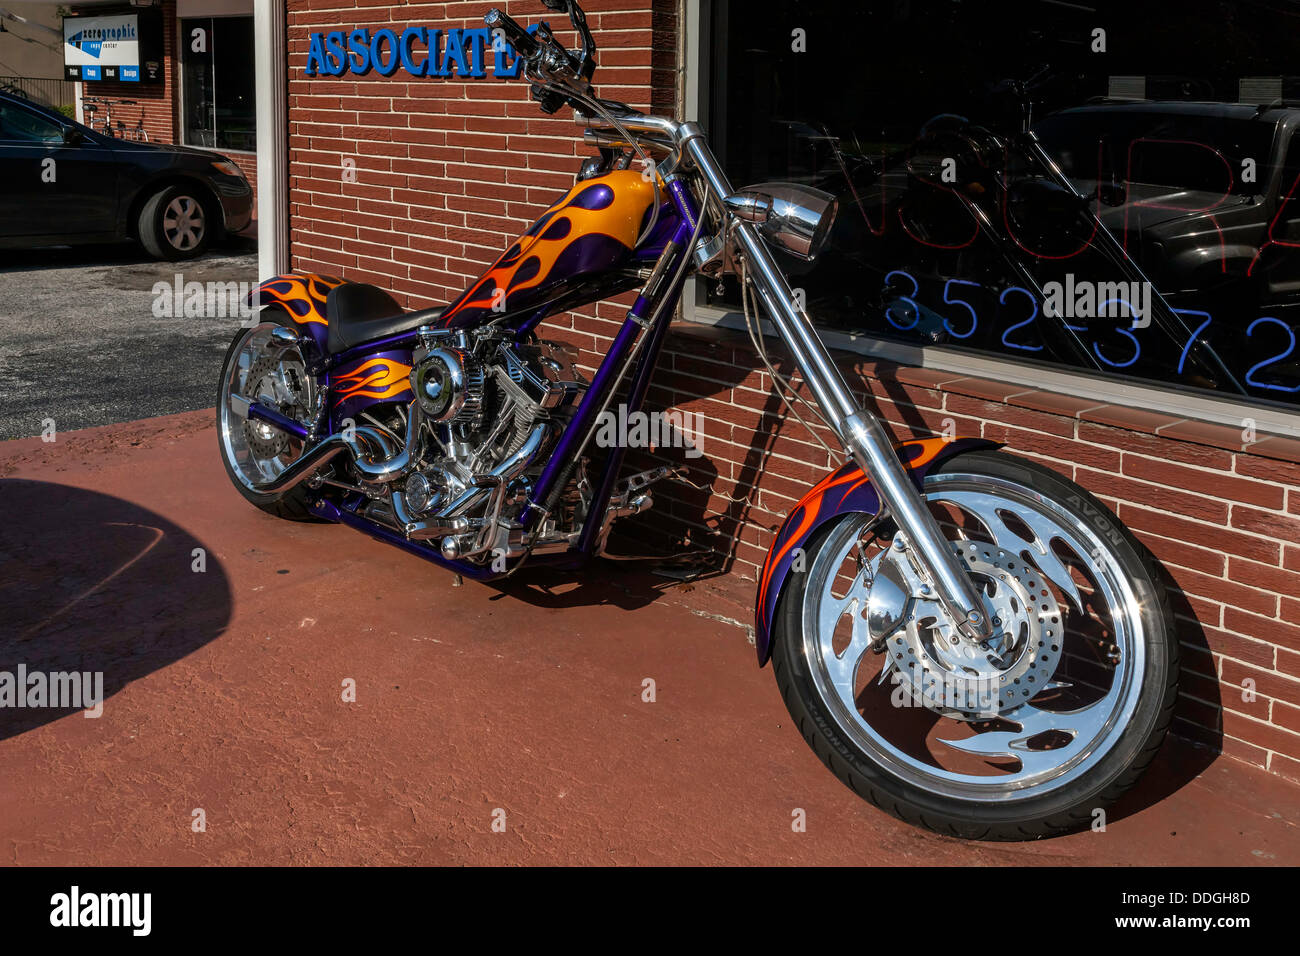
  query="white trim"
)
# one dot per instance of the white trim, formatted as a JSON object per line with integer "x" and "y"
{"x": 1152, "y": 398}
{"x": 270, "y": 63}
{"x": 1167, "y": 400}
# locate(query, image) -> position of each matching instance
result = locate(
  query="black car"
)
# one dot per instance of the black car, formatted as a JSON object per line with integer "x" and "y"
{"x": 63, "y": 183}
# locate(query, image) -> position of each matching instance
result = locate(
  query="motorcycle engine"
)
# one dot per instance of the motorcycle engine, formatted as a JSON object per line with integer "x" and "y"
{"x": 490, "y": 409}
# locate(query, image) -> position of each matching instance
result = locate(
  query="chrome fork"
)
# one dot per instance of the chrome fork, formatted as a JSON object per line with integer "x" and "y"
{"x": 861, "y": 432}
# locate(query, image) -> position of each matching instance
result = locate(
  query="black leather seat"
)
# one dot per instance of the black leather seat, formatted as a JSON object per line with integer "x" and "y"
{"x": 361, "y": 313}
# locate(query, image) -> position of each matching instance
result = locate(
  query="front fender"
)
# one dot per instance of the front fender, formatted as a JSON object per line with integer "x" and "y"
{"x": 302, "y": 296}
{"x": 841, "y": 492}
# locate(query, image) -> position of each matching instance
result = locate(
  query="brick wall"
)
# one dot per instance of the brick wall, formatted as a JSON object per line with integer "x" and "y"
{"x": 449, "y": 171}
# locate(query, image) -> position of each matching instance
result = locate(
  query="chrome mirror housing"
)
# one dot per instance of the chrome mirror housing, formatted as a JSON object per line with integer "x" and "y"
{"x": 796, "y": 218}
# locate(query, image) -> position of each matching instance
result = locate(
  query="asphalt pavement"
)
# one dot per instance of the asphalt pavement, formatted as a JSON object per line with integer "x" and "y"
{"x": 80, "y": 342}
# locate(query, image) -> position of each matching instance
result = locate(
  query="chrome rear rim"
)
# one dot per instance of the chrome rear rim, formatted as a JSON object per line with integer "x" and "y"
{"x": 273, "y": 376}
{"x": 1034, "y": 710}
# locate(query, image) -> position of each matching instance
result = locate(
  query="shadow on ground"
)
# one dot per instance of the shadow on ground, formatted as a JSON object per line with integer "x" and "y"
{"x": 92, "y": 583}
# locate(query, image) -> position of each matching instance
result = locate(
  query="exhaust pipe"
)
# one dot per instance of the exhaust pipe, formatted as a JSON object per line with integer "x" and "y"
{"x": 507, "y": 471}
{"x": 372, "y": 454}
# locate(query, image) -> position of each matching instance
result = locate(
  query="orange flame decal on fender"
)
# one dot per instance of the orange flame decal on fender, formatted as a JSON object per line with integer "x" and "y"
{"x": 303, "y": 296}
{"x": 823, "y": 502}
{"x": 375, "y": 378}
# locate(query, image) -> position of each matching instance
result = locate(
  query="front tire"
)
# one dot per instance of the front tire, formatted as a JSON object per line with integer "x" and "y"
{"x": 1095, "y": 676}
{"x": 175, "y": 224}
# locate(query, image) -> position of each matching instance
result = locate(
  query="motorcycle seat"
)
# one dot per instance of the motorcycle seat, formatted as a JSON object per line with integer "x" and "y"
{"x": 360, "y": 313}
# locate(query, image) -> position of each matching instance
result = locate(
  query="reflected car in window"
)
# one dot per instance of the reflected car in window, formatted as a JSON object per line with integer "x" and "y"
{"x": 1203, "y": 193}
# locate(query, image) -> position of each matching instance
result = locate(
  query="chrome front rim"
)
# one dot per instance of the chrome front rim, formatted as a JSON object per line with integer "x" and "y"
{"x": 275, "y": 377}
{"x": 183, "y": 223}
{"x": 1033, "y": 709}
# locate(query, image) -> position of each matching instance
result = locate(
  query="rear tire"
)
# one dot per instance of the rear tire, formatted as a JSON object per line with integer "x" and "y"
{"x": 890, "y": 783}
{"x": 292, "y": 505}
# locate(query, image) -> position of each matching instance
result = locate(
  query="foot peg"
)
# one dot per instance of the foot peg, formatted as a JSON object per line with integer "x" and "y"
{"x": 630, "y": 498}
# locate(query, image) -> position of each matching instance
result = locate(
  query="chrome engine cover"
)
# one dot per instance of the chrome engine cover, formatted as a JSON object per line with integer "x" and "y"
{"x": 490, "y": 409}
{"x": 448, "y": 383}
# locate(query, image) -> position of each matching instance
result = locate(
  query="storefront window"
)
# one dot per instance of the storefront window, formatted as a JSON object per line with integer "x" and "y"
{"x": 954, "y": 233}
{"x": 219, "y": 84}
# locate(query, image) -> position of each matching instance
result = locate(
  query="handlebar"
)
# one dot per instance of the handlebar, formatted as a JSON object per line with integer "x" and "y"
{"x": 519, "y": 38}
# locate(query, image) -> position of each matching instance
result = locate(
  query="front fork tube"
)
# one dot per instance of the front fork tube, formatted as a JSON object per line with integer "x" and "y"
{"x": 861, "y": 432}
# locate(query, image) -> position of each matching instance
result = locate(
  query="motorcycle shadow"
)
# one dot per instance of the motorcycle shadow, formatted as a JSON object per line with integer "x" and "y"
{"x": 1195, "y": 739}
{"x": 626, "y": 587}
{"x": 97, "y": 587}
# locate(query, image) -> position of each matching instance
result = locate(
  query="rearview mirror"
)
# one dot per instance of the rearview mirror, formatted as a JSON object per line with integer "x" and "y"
{"x": 72, "y": 136}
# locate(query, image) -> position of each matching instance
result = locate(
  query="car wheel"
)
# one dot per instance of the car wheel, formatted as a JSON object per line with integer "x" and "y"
{"x": 175, "y": 224}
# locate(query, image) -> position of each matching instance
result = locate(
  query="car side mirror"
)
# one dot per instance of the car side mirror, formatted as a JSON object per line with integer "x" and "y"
{"x": 72, "y": 136}
{"x": 1111, "y": 194}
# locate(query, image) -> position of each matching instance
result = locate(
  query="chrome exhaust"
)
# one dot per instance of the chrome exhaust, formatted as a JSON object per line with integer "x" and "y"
{"x": 373, "y": 455}
{"x": 504, "y": 473}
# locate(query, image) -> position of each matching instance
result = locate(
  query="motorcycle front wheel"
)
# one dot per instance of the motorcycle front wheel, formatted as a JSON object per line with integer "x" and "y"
{"x": 1031, "y": 734}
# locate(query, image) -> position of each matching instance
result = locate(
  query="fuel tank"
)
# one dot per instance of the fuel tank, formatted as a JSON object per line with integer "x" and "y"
{"x": 590, "y": 232}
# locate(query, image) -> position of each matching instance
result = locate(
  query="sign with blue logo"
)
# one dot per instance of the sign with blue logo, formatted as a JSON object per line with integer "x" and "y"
{"x": 416, "y": 51}
{"x": 122, "y": 46}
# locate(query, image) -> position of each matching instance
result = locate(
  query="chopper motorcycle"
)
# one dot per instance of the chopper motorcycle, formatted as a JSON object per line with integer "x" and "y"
{"x": 967, "y": 639}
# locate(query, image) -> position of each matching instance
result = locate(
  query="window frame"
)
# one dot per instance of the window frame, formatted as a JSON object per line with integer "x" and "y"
{"x": 184, "y": 13}
{"x": 1265, "y": 419}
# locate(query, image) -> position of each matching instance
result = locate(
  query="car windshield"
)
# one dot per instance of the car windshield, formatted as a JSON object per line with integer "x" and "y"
{"x": 1211, "y": 154}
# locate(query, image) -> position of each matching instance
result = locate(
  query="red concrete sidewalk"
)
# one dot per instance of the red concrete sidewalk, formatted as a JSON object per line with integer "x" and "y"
{"x": 225, "y": 695}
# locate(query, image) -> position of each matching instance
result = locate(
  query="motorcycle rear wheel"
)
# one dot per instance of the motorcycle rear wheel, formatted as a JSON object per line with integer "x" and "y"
{"x": 254, "y": 452}
{"x": 1074, "y": 704}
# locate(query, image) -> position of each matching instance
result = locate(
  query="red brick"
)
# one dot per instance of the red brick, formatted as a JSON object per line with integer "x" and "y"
{"x": 1172, "y": 552}
{"x": 1121, "y": 416}
{"x": 1261, "y": 734}
{"x": 1269, "y": 523}
{"x": 1268, "y": 577}
{"x": 1286, "y": 716}
{"x": 1262, "y": 628}
{"x": 1268, "y": 469}
{"x": 1010, "y": 415}
{"x": 1153, "y": 446}
{"x": 1209, "y": 536}
{"x": 1204, "y": 433}
{"x": 1269, "y": 683}
{"x": 1226, "y": 592}
{"x": 1169, "y": 499}
{"x": 1248, "y": 649}
{"x": 1214, "y": 483}
{"x": 1284, "y": 766}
